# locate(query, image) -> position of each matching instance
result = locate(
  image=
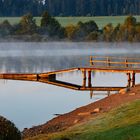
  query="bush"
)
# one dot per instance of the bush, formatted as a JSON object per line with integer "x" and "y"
{"x": 84, "y": 29}
{"x": 8, "y": 131}
{"x": 5, "y": 28}
{"x": 92, "y": 36}
{"x": 70, "y": 31}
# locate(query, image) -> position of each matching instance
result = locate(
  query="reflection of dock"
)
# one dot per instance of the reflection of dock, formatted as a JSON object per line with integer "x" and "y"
{"x": 78, "y": 87}
{"x": 51, "y": 79}
{"x": 129, "y": 66}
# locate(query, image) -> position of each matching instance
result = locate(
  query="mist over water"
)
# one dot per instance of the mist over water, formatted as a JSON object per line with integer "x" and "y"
{"x": 32, "y": 103}
{"x": 42, "y": 57}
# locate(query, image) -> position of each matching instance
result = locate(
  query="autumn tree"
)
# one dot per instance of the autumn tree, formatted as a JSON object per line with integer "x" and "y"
{"x": 70, "y": 31}
{"x": 130, "y": 21}
{"x": 108, "y": 31}
{"x": 27, "y": 25}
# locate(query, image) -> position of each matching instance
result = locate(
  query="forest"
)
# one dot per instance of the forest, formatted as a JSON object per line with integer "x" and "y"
{"x": 70, "y": 7}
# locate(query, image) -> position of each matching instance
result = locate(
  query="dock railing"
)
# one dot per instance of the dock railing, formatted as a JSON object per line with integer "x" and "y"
{"x": 116, "y": 62}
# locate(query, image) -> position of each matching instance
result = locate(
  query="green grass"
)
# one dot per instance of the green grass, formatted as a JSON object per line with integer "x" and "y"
{"x": 122, "y": 123}
{"x": 101, "y": 21}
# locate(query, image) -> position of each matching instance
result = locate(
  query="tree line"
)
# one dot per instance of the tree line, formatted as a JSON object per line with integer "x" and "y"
{"x": 70, "y": 7}
{"x": 21, "y": 7}
{"x": 92, "y": 7}
{"x": 51, "y": 29}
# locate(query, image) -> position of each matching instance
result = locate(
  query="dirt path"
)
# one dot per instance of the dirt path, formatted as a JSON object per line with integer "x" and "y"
{"x": 81, "y": 114}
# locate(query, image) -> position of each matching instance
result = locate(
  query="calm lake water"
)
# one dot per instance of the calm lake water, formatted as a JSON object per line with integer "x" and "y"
{"x": 33, "y": 103}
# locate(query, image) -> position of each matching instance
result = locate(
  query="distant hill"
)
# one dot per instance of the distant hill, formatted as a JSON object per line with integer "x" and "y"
{"x": 70, "y": 7}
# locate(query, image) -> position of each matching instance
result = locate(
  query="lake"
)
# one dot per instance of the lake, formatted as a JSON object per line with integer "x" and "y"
{"x": 32, "y": 103}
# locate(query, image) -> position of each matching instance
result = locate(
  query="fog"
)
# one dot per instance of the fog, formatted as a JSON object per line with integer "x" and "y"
{"x": 41, "y": 57}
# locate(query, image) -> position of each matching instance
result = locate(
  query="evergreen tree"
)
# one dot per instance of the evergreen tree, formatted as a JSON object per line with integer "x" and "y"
{"x": 51, "y": 27}
{"x": 70, "y": 7}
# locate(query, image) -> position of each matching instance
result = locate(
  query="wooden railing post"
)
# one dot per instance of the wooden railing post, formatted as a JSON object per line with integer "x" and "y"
{"x": 129, "y": 80}
{"x": 91, "y": 61}
{"x": 126, "y": 63}
{"x": 91, "y": 94}
{"x": 133, "y": 79}
{"x": 84, "y": 78}
{"x": 108, "y": 61}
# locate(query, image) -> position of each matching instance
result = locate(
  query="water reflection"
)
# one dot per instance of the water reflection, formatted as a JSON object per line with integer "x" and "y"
{"x": 32, "y": 103}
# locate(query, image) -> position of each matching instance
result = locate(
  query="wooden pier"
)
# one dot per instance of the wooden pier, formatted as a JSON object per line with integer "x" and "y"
{"x": 128, "y": 66}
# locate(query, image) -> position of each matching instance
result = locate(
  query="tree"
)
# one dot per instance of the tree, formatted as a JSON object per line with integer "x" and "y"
{"x": 70, "y": 31}
{"x": 84, "y": 29}
{"x": 5, "y": 28}
{"x": 137, "y": 29}
{"x": 8, "y": 131}
{"x": 46, "y": 19}
{"x": 130, "y": 21}
{"x": 51, "y": 27}
{"x": 108, "y": 31}
{"x": 93, "y": 7}
{"x": 1, "y": 7}
{"x": 70, "y": 7}
{"x": 27, "y": 25}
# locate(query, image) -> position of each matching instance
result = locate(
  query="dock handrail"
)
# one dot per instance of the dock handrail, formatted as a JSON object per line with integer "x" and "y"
{"x": 112, "y": 61}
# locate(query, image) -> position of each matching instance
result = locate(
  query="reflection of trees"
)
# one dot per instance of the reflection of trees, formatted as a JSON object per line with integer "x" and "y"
{"x": 29, "y": 58}
{"x": 41, "y": 64}
{"x": 3, "y": 81}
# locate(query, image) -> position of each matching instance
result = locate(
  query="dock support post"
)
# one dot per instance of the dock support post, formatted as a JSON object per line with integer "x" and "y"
{"x": 84, "y": 78}
{"x": 89, "y": 78}
{"x": 129, "y": 79}
{"x": 133, "y": 79}
{"x": 108, "y": 93}
{"x": 37, "y": 77}
{"x": 91, "y": 94}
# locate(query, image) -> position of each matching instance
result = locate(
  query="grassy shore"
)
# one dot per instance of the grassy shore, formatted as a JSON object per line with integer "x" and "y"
{"x": 121, "y": 123}
{"x": 101, "y": 21}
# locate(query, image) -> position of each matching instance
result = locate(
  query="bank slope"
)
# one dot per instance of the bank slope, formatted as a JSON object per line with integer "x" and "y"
{"x": 121, "y": 123}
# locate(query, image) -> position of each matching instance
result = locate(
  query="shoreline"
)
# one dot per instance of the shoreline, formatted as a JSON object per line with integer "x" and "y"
{"x": 82, "y": 114}
{"x": 43, "y": 39}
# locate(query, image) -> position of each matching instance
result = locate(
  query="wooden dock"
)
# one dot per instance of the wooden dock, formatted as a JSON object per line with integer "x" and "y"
{"x": 128, "y": 66}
